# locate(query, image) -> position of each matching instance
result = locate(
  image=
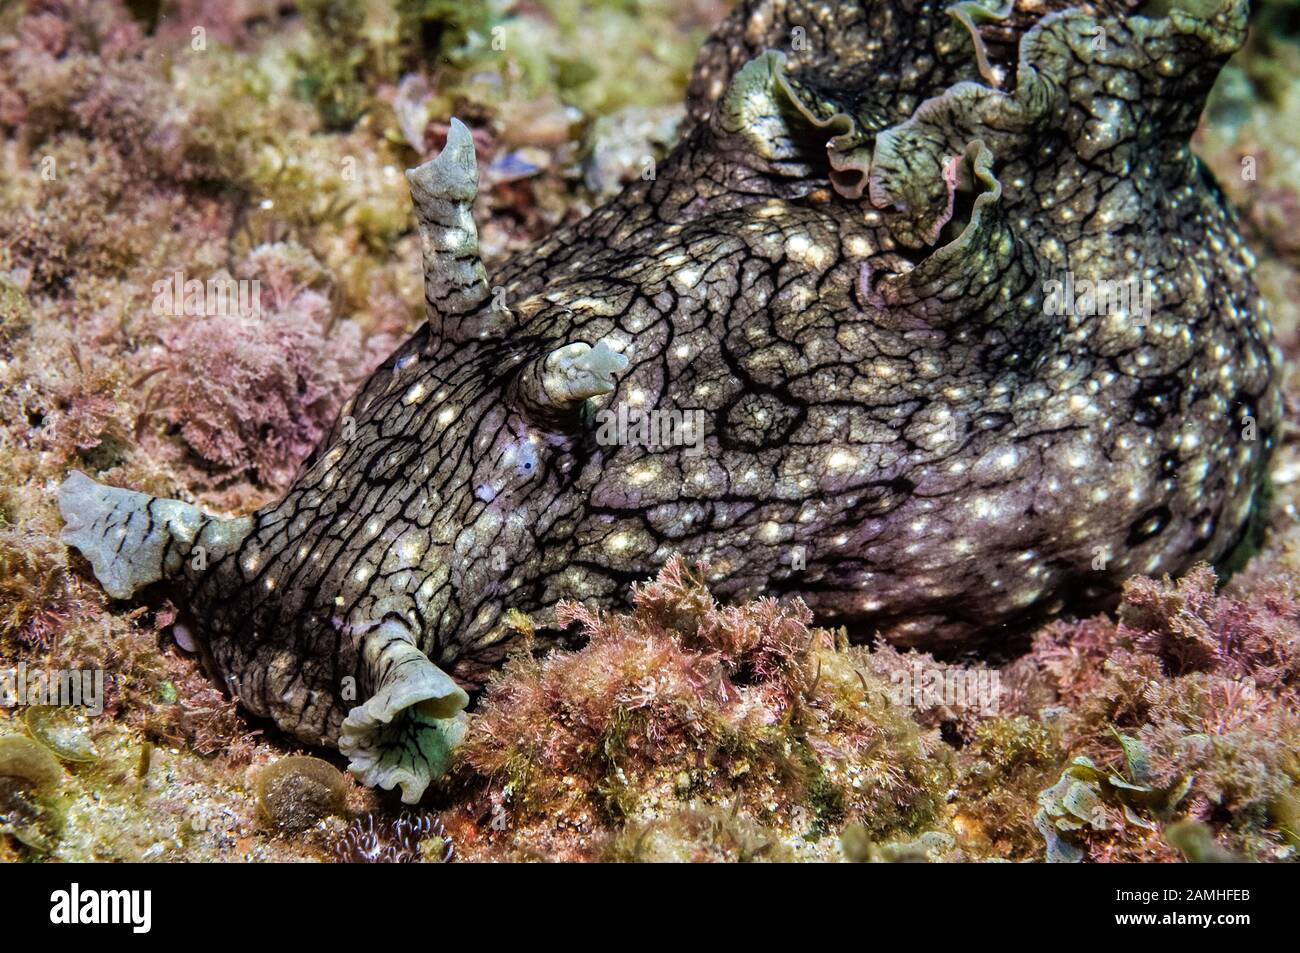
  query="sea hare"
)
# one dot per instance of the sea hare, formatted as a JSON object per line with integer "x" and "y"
{"x": 932, "y": 318}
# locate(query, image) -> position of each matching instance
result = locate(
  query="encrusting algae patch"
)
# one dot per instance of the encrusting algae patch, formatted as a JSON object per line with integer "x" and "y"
{"x": 643, "y": 651}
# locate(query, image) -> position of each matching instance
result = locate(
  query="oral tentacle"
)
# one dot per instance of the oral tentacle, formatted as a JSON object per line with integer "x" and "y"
{"x": 134, "y": 540}
{"x": 403, "y": 735}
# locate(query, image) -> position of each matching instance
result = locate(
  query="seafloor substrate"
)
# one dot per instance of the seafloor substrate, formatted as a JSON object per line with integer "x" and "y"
{"x": 269, "y": 145}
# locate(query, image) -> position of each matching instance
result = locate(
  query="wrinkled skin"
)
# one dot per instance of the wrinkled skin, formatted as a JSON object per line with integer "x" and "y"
{"x": 886, "y": 397}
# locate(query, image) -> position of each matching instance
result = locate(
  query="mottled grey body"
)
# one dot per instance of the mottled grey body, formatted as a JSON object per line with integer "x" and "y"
{"x": 899, "y": 425}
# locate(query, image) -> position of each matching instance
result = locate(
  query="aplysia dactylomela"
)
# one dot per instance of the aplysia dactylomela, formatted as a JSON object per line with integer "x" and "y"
{"x": 969, "y": 330}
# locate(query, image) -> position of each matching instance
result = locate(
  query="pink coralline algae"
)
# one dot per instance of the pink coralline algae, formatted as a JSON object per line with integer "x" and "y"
{"x": 251, "y": 394}
{"x": 685, "y": 705}
{"x": 1192, "y": 693}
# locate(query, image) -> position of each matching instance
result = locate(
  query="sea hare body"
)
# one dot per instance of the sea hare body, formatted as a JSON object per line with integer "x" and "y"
{"x": 932, "y": 318}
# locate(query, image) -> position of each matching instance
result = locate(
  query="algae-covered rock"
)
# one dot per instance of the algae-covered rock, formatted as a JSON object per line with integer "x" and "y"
{"x": 700, "y": 834}
{"x": 28, "y": 761}
{"x": 294, "y": 793}
{"x": 1196, "y": 841}
{"x": 928, "y": 848}
{"x": 1087, "y": 798}
{"x": 63, "y": 732}
{"x": 685, "y": 705}
{"x": 29, "y": 808}
{"x": 15, "y": 310}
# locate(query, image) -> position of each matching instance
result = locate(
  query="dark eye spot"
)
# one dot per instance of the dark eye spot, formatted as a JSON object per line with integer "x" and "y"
{"x": 1155, "y": 399}
{"x": 1205, "y": 526}
{"x": 1148, "y": 525}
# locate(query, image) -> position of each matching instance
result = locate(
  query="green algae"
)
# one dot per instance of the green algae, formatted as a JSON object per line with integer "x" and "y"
{"x": 30, "y": 807}
{"x": 62, "y": 731}
{"x": 1080, "y": 799}
{"x": 929, "y": 847}
{"x": 15, "y": 310}
{"x": 30, "y": 762}
{"x": 1196, "y": 841}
